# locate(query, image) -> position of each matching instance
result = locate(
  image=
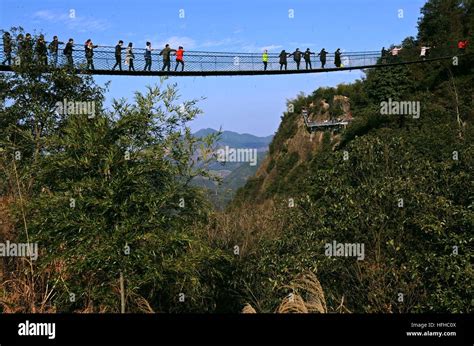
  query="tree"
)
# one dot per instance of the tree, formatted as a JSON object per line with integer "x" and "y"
{"x": 106, "y": 193}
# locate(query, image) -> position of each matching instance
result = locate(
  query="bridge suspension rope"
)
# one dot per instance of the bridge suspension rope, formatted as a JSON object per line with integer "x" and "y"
{"x": 200, "y": 63}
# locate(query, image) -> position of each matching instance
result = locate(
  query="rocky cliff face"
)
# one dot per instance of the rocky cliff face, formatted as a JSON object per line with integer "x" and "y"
{"x": 293, "y": 147}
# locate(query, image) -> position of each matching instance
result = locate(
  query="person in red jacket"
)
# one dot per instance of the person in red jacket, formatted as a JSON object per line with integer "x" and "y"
{"x": 179, "y": 58}
{"x": 462, "y": 44}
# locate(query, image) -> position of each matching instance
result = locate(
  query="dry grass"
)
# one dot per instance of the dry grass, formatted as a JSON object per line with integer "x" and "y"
{"x": 307, "y": 296}
{"x": 17, "y": 294}
{"x": 139, "y": 304}
{"x": 245, "y": 226}
{"x": 248, "y": 309}
{"x": 22, "y": 290}
{"x": 292, "y": 304}
{"x": 92, "y": 309}
{"x": 308, "y": 286}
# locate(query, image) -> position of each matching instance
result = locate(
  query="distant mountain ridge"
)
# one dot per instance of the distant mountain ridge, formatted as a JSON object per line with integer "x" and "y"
{"x": 234, "y": 174}
{"x": 238, "y": 140}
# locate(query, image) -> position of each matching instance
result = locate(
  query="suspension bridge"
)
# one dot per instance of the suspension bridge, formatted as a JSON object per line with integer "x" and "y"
{"x": 199, "y": 63}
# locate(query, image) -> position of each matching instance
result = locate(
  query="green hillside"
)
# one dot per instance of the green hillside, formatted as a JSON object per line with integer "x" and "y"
{"x": 233, "y": 175}
{"x": 401, "y": 185}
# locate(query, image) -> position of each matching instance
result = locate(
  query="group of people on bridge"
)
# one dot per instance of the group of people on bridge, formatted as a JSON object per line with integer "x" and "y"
{"x": 306, "y": 55}
{"x": 28, "y": 51}
{"x": 424, "y": 50}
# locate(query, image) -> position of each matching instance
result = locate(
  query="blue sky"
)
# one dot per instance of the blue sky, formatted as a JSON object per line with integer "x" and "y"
{"x": 250, "y": 104}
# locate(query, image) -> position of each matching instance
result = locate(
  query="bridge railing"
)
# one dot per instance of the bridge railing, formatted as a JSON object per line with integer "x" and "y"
{"x": 199, "y": 61}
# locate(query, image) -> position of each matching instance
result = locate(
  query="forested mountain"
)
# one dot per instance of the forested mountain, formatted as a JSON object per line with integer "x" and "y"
{"x": 401, "y": 185}
{"x": 233, "y": 174}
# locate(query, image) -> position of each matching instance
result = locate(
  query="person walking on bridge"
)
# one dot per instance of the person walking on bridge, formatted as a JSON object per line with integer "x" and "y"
{"x": 424, "y": 51}
{"x": 179, "y": 58}
{"x": 394, "y": 52}
{"x": 67, "y": 51}
{"x": 296, "y": 57}
{"x": 118, "y": 55}
{"x": 7, "y": 48}
{"x": 41, "y": 51}
{"x": 130, "y": 57}
{"x": 26, "y": 49}
{"x": 307, "y": 58}
{"x": 165, "y": 52}
{"x": 462, "y": 44}
{"x": 89, "y": 50}
{"x": 19, "y": 44}
{"x": 337, "y": 58}
{"x": 53, "y": 49}
{"x": 283, "y": 62}
{"x": 265, "y": 59}
{"x": 148, "y": 51}
{"x": 383, "y": 55}
{"x": 322, "y": 57}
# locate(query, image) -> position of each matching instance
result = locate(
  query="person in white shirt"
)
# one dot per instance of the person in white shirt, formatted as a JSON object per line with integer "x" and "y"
{"x": 395, "y": 51}
{"x": 148, "y": 56}
{"x": 423, "y": 52}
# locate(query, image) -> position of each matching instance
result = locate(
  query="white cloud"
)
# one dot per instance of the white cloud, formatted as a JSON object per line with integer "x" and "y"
{"x": 158, "y": 42}
{"x": 272, "y": 47}
{"x": 302, "y": 45}
{"x": 251, "y": 48}
{"x": 45, "y": 15}
{"x": 175, "y": 41}
{"x": 225, "y": 42}
{"x": 72, "y": 20}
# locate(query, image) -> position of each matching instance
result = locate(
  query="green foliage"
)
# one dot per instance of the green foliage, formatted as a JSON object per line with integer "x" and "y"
{"x": 444, "y": 22}
{"x": 392, "y": 82}
{"x": 422, "y": 249}
{"x": 109, "y": 194}
{"x": 408, "y": 249}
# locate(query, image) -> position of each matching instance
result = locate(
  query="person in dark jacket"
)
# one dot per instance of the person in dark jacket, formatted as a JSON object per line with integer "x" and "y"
{"x": 383, "y": 55}
{"x": 283, "y": 62}
{"x": 7, "y": 48}
{"x": 296, "y": 57}
{"x": 165, "y": 52}
{"x": 67, "y": 51}
{"x": 41, "y": 51}
{"x": 337, "y": 58}
{"x": 148, "y": 51}
{"x": 118, "y": 55}
{"x": 307, "y": 58}
{"x": 89, "y": 50}
{"x": 322, "y": 57}
{"x": 53, "y": 49}
{"x": 27, "y": 49}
